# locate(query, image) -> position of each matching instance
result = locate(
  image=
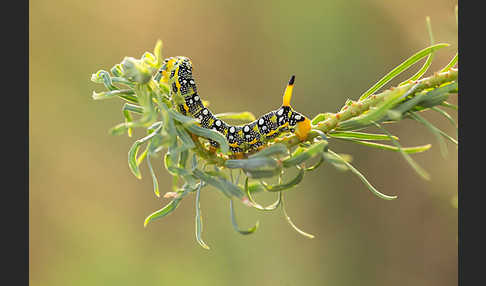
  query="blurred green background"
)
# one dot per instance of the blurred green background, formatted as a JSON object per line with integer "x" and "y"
{"x": 87, "y": 209}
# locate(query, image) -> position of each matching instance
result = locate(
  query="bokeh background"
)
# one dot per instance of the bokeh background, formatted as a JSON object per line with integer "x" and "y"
{"x": 87, "y": 209}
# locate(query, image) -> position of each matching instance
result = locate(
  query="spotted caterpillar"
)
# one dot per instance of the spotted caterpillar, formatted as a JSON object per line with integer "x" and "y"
{"x": 177, "y": 73}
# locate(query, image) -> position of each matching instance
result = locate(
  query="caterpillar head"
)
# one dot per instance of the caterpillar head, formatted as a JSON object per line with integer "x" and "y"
{"x": 171, "y": 66}
{"x": 300, "y": 123}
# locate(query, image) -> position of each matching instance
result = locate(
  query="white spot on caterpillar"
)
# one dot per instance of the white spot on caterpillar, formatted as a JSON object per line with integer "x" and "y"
{"x": 248, "y": 136}
{"x": 280, "y": 119}
{"x": 200, "y": 117}
{"x": 298, "y": 117}
{"x": 205, "y": 112}
{"x": 191, "y": 81}
{"x": 184, "y": 81}
{"x": 190, "y": 101}
{"x": 218, "y": 123}
{"x": 230, "y": 137}
{"x": 232, "y": 129}
{"x": 246, "y": 129}
{"x": 261, "y": 121}
{"x": 280, "y": 112}
{"x": 196, "y": 98}
{"x": 264, "y": 127}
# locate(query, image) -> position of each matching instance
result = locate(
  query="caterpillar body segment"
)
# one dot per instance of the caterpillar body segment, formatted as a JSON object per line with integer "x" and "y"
{"x": 177, "y": 73}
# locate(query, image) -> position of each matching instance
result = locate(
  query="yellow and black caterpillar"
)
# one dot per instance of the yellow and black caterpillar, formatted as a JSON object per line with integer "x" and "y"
{"x": 177, "y": 73}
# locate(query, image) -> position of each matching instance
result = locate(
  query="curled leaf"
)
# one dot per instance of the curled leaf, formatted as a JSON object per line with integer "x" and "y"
{"x": 256, "y": 205}
{"x": 235, "y": 225}
{"x": 199, "y": 224}
{"x": 305, "y": 154}
{"x": 290, "y": 184}
{"x": 169, "y": 208}
{"x": 308, "y": 235}
{"x": 362, "y": 178}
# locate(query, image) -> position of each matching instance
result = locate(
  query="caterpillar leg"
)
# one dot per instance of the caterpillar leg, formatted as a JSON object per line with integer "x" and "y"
{"x": 238, "y": 155}
{"x": 212, "y": 149}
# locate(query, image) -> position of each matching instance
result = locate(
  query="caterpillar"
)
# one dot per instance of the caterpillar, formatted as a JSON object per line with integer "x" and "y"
{"x": 243, "y": 139}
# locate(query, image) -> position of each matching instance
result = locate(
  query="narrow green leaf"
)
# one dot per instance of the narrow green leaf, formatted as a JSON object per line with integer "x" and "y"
{"x": 423, "y": 100}
{"x": 417, "y": 168}
{"x": 219, "y": 183}
{"x": 255, "y": 163}
{"x": 132, "y": 159}
{"x": 132, "y": 98}
{"x": 446, "y": 115}
{"x": 122, "y": 80}
{"x": 116, "y": 70}
{"x": 142, "y": 156}
{"x": 305, "y": 155}
{"x": 408, "y": 150}
{"x": 338, "y": 164}
{"x": 110, "y": 94}
{"x": 128, "y": 118}
{"x": 320, "y": 117}
{"x": 450, "y": 105}
{"x": 438, "y": 95}
{"x": 154, "y": 178}
{"x": 439, "y": 134}
{"x": 375, "y": 115}
{"x": 183, "y": 159}
{"x": 235, "y": 225}
{"x": 358, "y": 135}
{"x": 118, "y": 129}
{"x": 260, "y": 174}
{"x": 402, "y": 67}
{"x": 272, "y": 150}
{"x": 194, "y": 162}
{"x": 186, "y": 139}
{"x": 321, "y": 134}
{"x": 362, "y": 178}
{"x": 132, "y": 153}
{"x": 407, "y": 105}
{"x": 132, "y": 108}
{"x": 451, "y": 64}
{"x": 256, "y": 167}
{"x": 432, "y": 127}
{"x": 104, "y": 77}
{"x": 255, "y": 187}
{"x": 170, "y": 161}
{"x": 256, "y": 205}
{"x": 290, "y": 221}
{"x": 290, "y": 184}
{"x": 169, "y": 208}
{"x": 430, "y": 57}
{"x": 314, "y": 167}
{"x": 199, "y": 224}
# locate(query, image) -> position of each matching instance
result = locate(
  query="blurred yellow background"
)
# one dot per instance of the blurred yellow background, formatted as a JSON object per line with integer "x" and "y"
{"x": 87, "y": 209}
